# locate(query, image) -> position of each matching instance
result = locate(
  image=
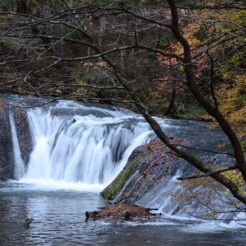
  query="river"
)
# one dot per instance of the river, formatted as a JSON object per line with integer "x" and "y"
{"x": 59, "y": 220}
{"x": 76, "y": 151}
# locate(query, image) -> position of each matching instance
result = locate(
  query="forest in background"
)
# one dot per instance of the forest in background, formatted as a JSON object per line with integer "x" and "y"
{"x": 43, "y": 42}
{"x": 110, "y": 51}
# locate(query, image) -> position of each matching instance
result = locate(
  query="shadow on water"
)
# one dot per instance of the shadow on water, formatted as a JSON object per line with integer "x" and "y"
{"x": 59, "y": 220}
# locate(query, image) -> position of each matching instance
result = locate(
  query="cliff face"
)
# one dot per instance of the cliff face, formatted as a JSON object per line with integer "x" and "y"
{"x": 6, "y": 149}
{"x": 150, "y": 178}
{"x": 9, "y": 105}
{"x": 23, "y": 133}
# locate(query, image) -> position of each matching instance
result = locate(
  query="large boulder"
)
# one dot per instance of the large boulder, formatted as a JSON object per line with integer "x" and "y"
{"x": 150, "y": 177}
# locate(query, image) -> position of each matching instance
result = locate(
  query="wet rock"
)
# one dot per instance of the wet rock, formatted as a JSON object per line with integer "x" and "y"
{"x": 23, "y": 133}
{"x": 135, "y": 160}
{"x": 8, "y": 107}
{"x": 150, "y": 177}
{"x": 6, "y": 149}
{"x": 147, "y": 165}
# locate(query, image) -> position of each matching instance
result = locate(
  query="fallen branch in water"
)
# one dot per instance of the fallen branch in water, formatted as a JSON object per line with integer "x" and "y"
{"x": 119, "y": 211}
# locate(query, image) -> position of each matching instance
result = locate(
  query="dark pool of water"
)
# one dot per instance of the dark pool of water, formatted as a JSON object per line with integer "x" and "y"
{"x": 59, "y": 220}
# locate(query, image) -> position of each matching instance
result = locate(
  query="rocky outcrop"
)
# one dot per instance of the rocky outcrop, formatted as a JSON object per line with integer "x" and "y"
{"x": 150, "y": 177}
{"x": 6, "y": 149}
{"x": 23, "y": 133}
{"x": 147, "y": 166}
{"x": 8, "y": 105}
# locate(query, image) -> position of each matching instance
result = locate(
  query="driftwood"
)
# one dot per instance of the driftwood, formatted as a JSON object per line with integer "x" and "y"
{"x": 119, "y": 211}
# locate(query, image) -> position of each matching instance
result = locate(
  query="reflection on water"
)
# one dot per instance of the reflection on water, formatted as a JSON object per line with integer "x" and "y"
{"x": 59, "y": 220}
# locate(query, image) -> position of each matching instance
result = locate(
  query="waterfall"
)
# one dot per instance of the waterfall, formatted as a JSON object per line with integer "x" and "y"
{"x": 78, "y": 144}
{"x": 85, "y": 147}
{"x": 19, "y": 164}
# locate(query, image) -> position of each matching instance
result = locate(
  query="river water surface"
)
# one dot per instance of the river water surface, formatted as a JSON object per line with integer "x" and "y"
{"x": 59, "y": 220}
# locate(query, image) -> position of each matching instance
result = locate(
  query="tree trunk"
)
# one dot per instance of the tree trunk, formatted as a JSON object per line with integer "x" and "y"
{"x": 59, "y": 50}
{"x": 172, "y": 108}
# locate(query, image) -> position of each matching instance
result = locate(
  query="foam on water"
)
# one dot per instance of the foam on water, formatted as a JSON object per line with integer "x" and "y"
{"x": 211, "y": 227}
{"x": 51, "y": 185}
{"x": 142, "y": 223}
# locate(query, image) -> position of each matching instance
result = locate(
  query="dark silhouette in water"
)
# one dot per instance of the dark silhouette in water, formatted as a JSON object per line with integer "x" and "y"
{"x": 28, "y": 221}
{"x": 127, "y": 215}
{"x": 92, "y": 215}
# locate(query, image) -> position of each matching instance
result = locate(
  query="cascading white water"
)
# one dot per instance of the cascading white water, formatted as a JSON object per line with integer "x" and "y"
{"x": 19, "y": 164}
{"x": 85, "y": 149}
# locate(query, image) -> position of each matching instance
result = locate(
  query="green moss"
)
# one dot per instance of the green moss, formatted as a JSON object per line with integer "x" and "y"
{"x": 114, "y": 188}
